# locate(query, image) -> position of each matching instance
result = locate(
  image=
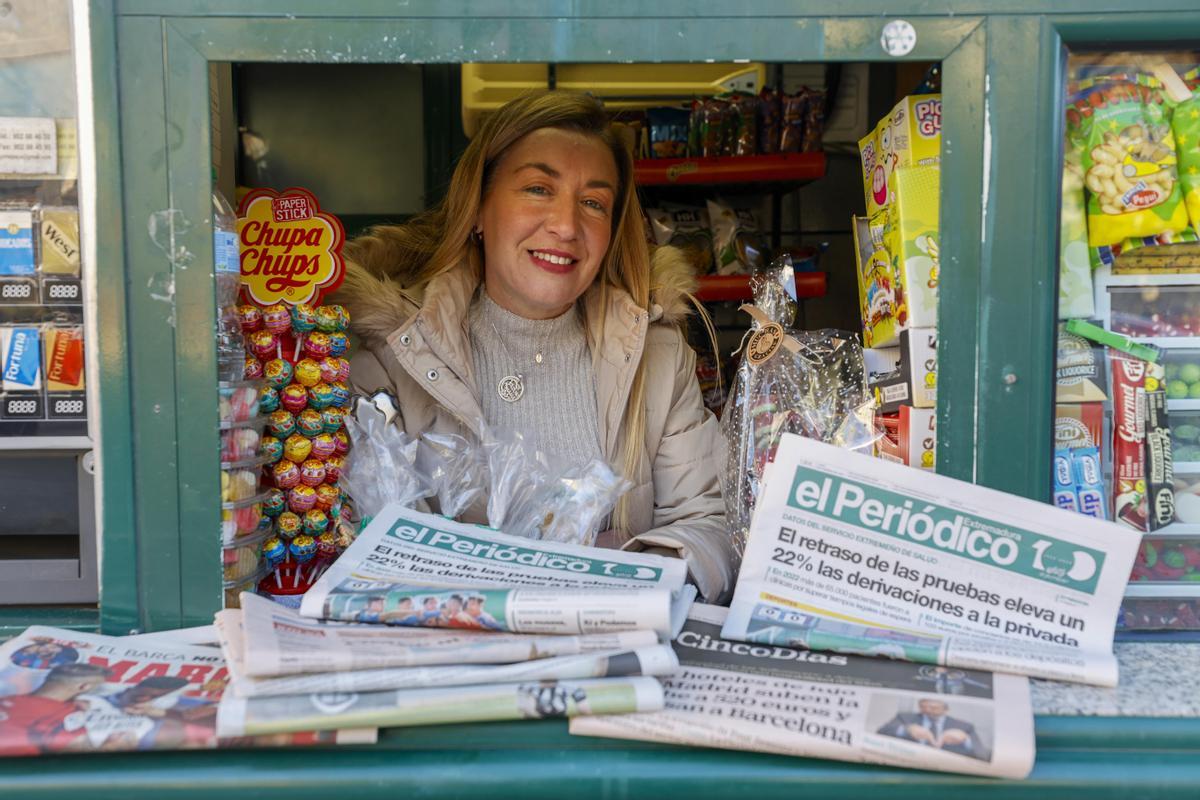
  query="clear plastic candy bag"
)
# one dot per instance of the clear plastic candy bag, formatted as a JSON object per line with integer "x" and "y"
{"x": 536, "y": 497}
{"x": 455, "y": 469}
{"x": 381, "y": 467}
{"x": 810, "y": 383}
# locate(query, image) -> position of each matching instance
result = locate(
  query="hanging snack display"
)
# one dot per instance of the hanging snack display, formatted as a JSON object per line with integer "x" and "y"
{"x": 810, "y": 383}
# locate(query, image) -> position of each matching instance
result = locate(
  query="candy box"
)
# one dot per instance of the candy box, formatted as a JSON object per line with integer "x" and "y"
{"x": 885, "y": 380}
{"x": 910, "y": 135}
{"x": 880, "y": 294}
{"x": 910, "y": 236}
{"x": 913, "y": 381}
{"x": 887, "y": 446}
{"x": 1078, "y": 425}
{"x": 1080, "y": 373}
{"x": 918, "y": 437}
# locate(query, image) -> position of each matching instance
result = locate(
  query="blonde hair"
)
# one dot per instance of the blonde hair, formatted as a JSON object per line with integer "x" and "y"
{"x": 441, "y": 239}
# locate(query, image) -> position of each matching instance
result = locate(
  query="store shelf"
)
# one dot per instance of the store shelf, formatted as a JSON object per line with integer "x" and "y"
{"x": 1188, "y": 467}
{"x": 1162, "y": 589}
{"x": 715, "y": 288}
{"x": 779, "y": 168}
{"x": 1183, "y": 405}
{"x": 1177, "y": 530}
{"x": 45, "y": 443}
{"x": 1169, "y": 342}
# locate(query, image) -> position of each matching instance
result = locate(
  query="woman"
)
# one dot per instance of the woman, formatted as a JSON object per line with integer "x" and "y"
{"x": 528, "y": 298}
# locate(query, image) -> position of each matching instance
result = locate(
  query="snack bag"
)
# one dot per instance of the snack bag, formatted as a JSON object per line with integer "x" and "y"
{"x": 1075, "y": 297}
{"x": 668, "y": 132}
{"x": 745, "y": 124}
{"x": 1122, "y": 125}
{"x": 1186, "y": 126}
{"x": 685, "y": 227}
{"x": 770, "y": 112}
{"x": 737, "y": 246}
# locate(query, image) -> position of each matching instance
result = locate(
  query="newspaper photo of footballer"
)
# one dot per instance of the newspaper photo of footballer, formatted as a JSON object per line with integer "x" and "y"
{"x": 934, "y": 722}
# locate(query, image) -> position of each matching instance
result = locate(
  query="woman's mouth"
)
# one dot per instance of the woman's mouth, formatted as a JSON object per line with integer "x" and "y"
{"x": 554, "y": 261}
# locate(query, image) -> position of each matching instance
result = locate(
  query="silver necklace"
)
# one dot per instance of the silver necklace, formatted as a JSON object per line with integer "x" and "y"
{"x": 511, "y": 388}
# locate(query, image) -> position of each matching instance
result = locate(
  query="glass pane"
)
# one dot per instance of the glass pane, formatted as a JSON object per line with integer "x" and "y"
{"x": 1127, "y": 433}
{"x": 43, "y": 400}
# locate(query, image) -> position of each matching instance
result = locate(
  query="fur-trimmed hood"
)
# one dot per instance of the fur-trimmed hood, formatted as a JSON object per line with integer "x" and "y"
{"x": 379, "y": 302}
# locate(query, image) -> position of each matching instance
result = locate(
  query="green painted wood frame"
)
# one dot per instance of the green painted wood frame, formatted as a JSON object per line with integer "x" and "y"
{"x": 163, "y": 75}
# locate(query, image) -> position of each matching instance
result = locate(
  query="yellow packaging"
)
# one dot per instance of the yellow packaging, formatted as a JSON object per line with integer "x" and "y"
{"x": 910, "y": 135}
{"x": 879, "y": 297}
{"x": 910, "y": 236}
{"x": 60, "y": 241}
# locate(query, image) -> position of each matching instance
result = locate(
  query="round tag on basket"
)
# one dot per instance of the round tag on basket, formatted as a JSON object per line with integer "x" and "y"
{"x": 764, "y": 342}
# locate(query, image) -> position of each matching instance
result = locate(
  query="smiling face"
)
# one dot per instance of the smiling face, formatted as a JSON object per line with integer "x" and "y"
{"x": 546, "y": 220}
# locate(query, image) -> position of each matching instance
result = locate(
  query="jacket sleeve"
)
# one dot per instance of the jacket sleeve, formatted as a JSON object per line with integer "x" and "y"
{"x": 689, "y": 514}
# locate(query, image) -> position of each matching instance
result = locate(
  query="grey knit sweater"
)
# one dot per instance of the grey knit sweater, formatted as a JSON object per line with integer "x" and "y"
{"x": 558, "y": 409}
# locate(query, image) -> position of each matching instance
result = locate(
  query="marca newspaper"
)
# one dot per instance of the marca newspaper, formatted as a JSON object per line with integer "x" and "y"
{"x": 859, "y": 555}
{"x": 570, "y": 588}
{"x": 798, "y": 702}
{"x": 482, "y": 703}
{"x": 64, "y": 691}
{"x": 277, "y": 629}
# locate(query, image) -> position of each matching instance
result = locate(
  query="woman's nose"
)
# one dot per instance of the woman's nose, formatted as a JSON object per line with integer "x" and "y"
{"x": 563, "y": 218}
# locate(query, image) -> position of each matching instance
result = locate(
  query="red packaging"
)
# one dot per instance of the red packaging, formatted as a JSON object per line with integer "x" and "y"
{"x": 1129, "y": 439}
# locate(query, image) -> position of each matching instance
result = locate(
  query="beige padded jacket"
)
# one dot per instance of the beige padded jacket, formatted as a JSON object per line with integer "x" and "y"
{"x": 414, "y": 341}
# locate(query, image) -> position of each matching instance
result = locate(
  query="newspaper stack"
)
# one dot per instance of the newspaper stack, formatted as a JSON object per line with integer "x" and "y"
{"x": 424, "y": 620}
{"x": 63, "y": 691}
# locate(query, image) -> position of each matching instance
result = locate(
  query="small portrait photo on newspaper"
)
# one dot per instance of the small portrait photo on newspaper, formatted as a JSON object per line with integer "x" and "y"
{"x": 952, "y": 724}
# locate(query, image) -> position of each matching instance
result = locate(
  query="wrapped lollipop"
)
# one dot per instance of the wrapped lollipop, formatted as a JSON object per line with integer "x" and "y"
{"x": 327, "y": 546}
{"x": 302, "y": 548}
{"x": 293, "y": 397}
{"x": 275, "y": 504}
{"x": 327, "y": 319}
{"x": 323, "y": 446}
{"x": 342, "y": 440}
{"x": 309, "y": 422}
{"x": 312, "y": 472}
{"x": 288, "y": 524}
{"x": 315, "y": 522}
{"x": 272, "y": 448}
{"x": 249, "y": 317}
{"x": 308, "y": 373}
{"x": 317, "y": 345}
{"x": 278, "y": 373}
{"x": 330, "y": 369}
{"x": 263, "y": 344}
{"x": 301, "y": 498}
{"x": 321, "y": 396}
{"x": 268, "y": 400}
{"x": 332, "y": 419}
{"x": 281, "y": 424}
{"x": 275, "y": 551}
{"x": 339, "y": 343}
{"x": 334, "y": 467}
{"x": 253, "y": 369}
{"x": 343, "y": 317}
{"x": 277, "y": 319}
{"x": 327, "y": 495}
{"x": 340, "y": 394}
{"x": 297, "y": 448}
{"x": 286, "y": 474}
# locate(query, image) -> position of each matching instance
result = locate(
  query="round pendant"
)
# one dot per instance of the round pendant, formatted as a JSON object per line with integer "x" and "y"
{"x": 510, "y": 388}
{"x": 538, "y": 358}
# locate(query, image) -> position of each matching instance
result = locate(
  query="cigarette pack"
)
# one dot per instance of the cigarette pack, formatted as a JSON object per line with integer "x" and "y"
{"x": 16, "y": 243}
{"x": 22, "y": 359}
{"x": 64, "y": 359}
{"x": 59, "y": 236}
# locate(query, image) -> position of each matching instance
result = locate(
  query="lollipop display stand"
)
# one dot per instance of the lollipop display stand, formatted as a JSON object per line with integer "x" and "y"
{"x": 297, "y": 355}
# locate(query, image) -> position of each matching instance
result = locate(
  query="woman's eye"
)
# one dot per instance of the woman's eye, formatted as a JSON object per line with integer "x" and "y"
{"x": 597, "y": 205}
{"x": 537, "y": 190}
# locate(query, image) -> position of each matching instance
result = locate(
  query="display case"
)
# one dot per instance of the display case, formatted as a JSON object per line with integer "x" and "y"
{"x": 48, "y": 532}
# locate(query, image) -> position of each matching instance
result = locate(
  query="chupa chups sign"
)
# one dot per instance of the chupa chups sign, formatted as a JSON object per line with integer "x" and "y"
{"x": 291, "y": 251}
